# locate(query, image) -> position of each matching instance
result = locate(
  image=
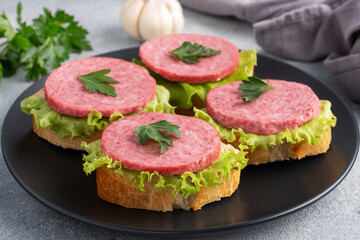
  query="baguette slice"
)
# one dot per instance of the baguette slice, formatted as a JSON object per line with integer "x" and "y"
{"x": 288, "y": 151}
{"x": 112, "y": 187}
{"x": 65, "y": 142}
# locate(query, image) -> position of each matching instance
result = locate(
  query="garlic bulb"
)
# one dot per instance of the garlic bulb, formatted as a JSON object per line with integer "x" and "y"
{"x": 145, "y": 19}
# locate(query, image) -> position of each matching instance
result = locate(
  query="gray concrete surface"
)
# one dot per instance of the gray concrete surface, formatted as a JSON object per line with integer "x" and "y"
{"x": 336, "y": 216}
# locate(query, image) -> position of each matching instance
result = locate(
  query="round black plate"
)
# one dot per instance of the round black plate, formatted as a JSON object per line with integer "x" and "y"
{"x": 54, "y": 175}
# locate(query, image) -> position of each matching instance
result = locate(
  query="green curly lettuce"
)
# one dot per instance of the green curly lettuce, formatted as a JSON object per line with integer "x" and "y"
{"x": 311, "y": 131}
{"x": 64, "y": 125}
{"x": 187, "y": 183}
{"x": 182, "y": 93}
{"x": 160, "y": 102}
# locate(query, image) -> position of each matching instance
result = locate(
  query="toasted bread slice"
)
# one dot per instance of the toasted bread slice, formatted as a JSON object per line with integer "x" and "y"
{"x": 112, "y": 187}
{"x": 65, "y": 142}
{"x": 287, "y": 151}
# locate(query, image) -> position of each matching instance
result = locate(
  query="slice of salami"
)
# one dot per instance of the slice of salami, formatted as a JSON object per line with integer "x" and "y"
{"x": 198, "y": 147}
{"x": 155, "y": 55}
{"x": 66, "y": 94}
{"x": 288, "y": 106}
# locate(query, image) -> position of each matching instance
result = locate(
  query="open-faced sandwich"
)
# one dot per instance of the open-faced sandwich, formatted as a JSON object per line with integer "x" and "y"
{"x": 160, "y": 162}
{"x": 189, "y": 65}
{"x": 82, "y": 97}
{"x": 275, "y": 119}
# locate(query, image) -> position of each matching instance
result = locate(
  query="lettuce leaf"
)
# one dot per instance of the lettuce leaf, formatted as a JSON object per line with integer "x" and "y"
{"x": 160, "y": 103}
{"x": 311, "y": 131}
{"x": 187, "y": 183}
{"x": 63, "y": 125}
{"x": 181, "y": 93}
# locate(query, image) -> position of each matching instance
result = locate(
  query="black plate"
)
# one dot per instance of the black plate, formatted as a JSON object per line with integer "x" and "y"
{"x": 55, "y": 177}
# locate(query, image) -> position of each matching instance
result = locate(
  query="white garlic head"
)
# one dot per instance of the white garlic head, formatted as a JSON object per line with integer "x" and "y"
{"x": 145, "y": 19}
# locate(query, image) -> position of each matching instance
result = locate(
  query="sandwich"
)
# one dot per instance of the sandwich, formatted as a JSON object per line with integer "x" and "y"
{"x": 161, "y": 162}
{"x": 82, "y": 97}
{"x": 275, "y": 119}
{"x": 189, "y": 65}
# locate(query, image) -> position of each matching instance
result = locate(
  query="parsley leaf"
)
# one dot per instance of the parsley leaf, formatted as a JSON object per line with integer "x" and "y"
{"x": 42, "y": 46}
{"x": 6, "y": 30}
{"x": 152, "y": 131}
{"x": 190, "y": 53}
{"x": 253, "y": 88}
{"x": 97, "y": 82}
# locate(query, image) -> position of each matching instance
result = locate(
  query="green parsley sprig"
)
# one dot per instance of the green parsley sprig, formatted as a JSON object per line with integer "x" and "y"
{"x": 39, "y": 47}
{"x": 253, "y": 87}
{"x": 98, "y": 82}
{"x": 152, "y": 131}
{"x": 190, "y": 53}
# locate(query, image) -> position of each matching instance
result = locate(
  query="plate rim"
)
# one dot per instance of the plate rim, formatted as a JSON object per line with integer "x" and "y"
{"x": 185, "y": 232}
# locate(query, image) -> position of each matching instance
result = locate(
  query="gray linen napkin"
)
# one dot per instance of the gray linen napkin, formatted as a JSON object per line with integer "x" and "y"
{"x": 305, "y": 30}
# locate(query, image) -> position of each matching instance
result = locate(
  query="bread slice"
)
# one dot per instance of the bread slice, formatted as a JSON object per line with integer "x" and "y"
{"x": 112, "y": 187}
{"x": 65, "y": 142}
{"x": 288, "y": 151}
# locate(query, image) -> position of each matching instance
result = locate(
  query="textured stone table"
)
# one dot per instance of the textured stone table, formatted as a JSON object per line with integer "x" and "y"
{"x": 336, "y": 216}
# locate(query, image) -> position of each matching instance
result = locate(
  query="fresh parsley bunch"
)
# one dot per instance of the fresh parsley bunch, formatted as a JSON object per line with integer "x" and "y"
{"x": 39, "y": 47}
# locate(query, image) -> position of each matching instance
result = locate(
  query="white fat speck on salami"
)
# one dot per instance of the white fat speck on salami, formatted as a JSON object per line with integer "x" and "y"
{"x": 155, "y": 55}
{"x": 198, "y": 147}
{"x": 66, "y": 94}
{"x": 288, "y": 106}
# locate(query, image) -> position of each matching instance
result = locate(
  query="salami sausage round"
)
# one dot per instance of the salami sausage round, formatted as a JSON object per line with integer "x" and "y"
{"x": 66, "y": 94}
{"x": 155, "y": 55}
{"x": 288, "y": 106}
{"x": 198, "y": 147}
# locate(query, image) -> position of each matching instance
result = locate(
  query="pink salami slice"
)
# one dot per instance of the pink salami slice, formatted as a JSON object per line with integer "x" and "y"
{"x": 288, "y": 106}
{"x": 155, "y": 55}
{"x": 66, "y": 94}
{"x": 198, "y": 147}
